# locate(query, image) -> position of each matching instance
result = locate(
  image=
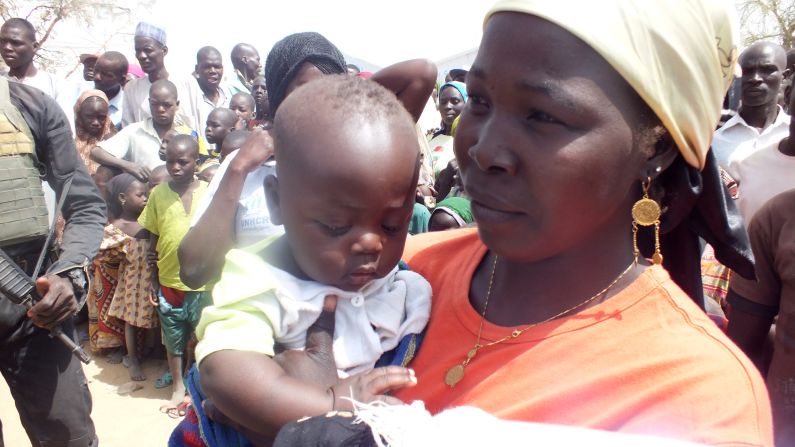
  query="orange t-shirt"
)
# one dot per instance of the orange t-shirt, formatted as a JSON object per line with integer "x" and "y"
{"x": 646, "y": 361}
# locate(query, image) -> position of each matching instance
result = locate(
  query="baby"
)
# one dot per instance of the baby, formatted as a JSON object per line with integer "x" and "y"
{"x": 347, "y": 168}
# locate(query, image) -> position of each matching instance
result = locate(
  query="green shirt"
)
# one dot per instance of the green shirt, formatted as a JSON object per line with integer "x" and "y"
{"x": 165, "y": 217}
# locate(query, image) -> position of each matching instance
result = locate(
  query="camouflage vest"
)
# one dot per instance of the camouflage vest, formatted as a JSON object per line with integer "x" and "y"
{"x": 23, "y": 212}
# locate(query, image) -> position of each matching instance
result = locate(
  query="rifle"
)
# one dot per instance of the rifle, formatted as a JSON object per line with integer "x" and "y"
{"x": 21, "y": 289}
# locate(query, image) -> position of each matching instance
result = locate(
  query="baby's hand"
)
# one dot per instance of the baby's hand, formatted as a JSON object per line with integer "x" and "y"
{"x": 370, "y": 386}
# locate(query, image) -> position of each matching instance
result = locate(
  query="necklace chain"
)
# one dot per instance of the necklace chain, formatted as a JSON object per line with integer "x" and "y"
{"x": 456, "y": 373}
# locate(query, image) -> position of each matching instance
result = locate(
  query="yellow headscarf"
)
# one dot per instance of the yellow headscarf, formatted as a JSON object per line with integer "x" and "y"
{"x": 679, "y": 56}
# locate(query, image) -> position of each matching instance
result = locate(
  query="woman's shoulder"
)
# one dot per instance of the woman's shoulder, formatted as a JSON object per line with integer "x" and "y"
{"x": 426, "y": 247}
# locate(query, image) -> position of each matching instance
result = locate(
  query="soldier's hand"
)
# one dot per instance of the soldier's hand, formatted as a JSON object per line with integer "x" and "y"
{"x": 57, "y": 302}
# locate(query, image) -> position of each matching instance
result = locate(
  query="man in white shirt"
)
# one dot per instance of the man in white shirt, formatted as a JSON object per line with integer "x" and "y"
{"x": 746, "y": 147}
{"x": 204, "y": 92}
{"x": 109, "y": 73}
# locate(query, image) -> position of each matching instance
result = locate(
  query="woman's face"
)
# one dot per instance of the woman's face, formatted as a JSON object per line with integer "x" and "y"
{"x": 451, "y": 103}
{"x": 93, "y": 114}
{"x": 545, "y": 143}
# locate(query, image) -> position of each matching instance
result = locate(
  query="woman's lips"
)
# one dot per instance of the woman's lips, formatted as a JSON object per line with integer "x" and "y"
{"x": 488, "y": 213}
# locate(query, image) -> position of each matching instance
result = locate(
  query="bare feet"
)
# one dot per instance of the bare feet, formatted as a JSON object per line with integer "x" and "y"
{"x": 136, "y": 372}
{"x": 114, "y": 356}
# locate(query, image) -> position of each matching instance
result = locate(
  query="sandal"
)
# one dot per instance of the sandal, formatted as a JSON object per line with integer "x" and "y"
{"x": 179, "y": 411}
{"x": 164, "y": 381}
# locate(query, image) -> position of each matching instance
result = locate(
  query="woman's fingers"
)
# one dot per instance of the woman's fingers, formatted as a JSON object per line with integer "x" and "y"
{"x": 390, "y": 378}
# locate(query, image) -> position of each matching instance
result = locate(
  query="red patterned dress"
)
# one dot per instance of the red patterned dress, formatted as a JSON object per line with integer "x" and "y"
{"x": 104, "y": 330}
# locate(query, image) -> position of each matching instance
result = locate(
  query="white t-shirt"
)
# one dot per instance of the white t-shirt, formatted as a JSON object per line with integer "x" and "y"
{"x": 761, "y": 175}
{"x": 252, "y": 219}
{"x": 752, "y": 159}
{"x": 736, "y": 139}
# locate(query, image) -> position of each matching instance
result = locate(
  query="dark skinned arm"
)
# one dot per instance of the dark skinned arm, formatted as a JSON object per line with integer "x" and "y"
{"x": 257, "y": 394}
{"x": 104, "y": 157}
{"x": 152, "y": 260}
{"x": 203, "y": 249}
{"x": 411, "y": 81}
{"x": 750, "y": 333}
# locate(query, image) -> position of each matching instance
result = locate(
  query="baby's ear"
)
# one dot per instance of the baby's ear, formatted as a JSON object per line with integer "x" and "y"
{"x": 271, "y": 185}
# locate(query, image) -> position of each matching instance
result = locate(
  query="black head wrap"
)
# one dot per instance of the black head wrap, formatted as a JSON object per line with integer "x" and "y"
{"x": 290, "y": 53}
{"x": 699, "y": 208}
{"x": 113, "y": 188}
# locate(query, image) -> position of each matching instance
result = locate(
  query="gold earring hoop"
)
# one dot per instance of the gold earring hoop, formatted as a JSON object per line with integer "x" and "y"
{"x": 646, "y": 212}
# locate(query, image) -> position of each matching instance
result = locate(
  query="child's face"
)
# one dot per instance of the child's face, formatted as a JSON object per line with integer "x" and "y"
{"x": 135, "y": 198}
{"x": 163, "y": 105}
{"x": 93, "y": 115}
{"x": 242, "y": 108}
{"x": 164, "y": 143}
{"x": 346, "y": 222}
{"x": 215, "y": 130}
{"x": 180, "y": 163}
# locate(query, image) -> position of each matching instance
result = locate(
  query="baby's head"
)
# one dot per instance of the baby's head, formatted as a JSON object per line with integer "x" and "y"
{"x": 347, "y": 166}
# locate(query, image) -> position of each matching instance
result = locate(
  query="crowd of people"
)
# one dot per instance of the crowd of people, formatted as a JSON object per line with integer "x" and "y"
{"x": 587, "y": 239}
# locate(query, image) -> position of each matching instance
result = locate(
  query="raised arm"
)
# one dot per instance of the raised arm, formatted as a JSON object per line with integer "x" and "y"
{"x": 412, "y": 81}
{"x": 202, "y": 250}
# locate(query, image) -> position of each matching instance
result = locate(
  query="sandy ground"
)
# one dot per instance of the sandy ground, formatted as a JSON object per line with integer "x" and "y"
{"x": 120, "y": 420}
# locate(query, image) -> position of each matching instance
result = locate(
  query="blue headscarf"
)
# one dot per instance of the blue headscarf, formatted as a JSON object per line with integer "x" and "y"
{"x": 460, "y": 86}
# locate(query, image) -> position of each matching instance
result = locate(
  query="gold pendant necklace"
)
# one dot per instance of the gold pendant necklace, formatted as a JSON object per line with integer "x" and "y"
{"x": 456, "y": 373}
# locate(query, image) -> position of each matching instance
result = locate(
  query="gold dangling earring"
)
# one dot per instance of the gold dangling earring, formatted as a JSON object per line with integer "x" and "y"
{"x": 647, "y": 212}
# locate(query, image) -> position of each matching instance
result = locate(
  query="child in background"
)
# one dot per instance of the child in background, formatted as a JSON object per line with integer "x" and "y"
{"x": 158, "y": 176}
{"x": 208, "y": 170}
{"x": 164, "y": 142}
{"x": 451, "y": 213}
{"x": 131, "y": 300}
{"x": 244, "y": 106}
{"x": 346, "y": 224}
{"x": 220, "y": 122}
{"x": 106, "y": 333}
{"x": 232, "y": 142}
{"x": 167, "y": 216}
{"x": 101, "y": 178}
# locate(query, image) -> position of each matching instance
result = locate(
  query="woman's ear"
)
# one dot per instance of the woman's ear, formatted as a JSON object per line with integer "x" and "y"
{"x": 271, "y": 185}
{"x": 664, "y": 152}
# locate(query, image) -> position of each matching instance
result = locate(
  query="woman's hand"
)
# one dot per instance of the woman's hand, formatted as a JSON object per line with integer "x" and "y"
{"x": 315, "y": 364}
{"x": 370, "y": 386}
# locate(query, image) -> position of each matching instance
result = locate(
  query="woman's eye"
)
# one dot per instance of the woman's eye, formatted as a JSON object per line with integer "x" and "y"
{"x": 542, "y": 117}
